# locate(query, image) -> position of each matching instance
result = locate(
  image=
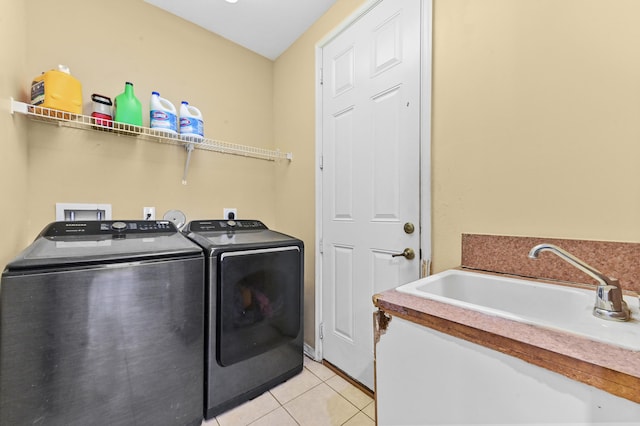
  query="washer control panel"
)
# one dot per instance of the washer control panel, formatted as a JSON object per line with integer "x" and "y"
{"x": 109, "y": 227}
{"x": 226, "y": 225}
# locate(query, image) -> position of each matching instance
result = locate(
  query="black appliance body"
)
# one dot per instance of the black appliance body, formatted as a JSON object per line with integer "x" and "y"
{"x": 253, "y": 314}
{"x": 101, "y": 323}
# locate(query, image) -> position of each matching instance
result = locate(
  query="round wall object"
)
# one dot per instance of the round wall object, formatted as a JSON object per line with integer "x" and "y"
{"x": 177, "y": 217}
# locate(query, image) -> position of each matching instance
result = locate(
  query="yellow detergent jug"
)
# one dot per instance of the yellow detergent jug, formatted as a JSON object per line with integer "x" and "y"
{"x": 57, "y": 89}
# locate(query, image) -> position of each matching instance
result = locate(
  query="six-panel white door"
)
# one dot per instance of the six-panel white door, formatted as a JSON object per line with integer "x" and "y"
{"x": 371, "y": 175}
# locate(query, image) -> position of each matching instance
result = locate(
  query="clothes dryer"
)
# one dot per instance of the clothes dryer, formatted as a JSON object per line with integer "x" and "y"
{"x": 253, "y": 319}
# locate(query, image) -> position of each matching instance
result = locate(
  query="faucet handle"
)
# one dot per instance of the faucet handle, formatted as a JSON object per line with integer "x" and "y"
{"x": 607, "y": 297}
{"x": 610, "y": 304}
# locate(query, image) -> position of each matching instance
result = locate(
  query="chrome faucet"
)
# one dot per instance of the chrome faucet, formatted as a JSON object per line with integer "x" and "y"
{"x": 609, "y": 302}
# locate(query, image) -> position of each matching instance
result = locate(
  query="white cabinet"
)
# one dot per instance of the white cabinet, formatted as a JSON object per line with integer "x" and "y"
{"x": 425, "y": 377}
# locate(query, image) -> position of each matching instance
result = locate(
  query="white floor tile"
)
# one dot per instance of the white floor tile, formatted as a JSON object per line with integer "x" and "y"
{"x": 212, "y": 422}
{"x": 295, "y": 386}
{"x": 360, "y": 419}
{"x": 306, "y": 401}
{"x": 279, "y": 417}
{"x": 249, "y": 411}
{"x": 318, "y": 369}
{"x": 350, "y": 392}
{"x": 370, "y": 410}
{"x": 321, "y": 406}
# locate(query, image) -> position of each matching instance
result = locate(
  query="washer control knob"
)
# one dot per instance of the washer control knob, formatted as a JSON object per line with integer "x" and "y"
{"x": 118, "y": 226}
{"x": 231, "y": 223}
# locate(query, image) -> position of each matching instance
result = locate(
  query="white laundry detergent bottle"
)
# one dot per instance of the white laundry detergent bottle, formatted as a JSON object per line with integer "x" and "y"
{"x": 162, "y": 115}
{"x": 191, "y": 124}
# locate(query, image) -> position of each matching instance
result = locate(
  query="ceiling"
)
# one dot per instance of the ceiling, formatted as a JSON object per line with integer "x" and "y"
{"x": 267, "y": 27}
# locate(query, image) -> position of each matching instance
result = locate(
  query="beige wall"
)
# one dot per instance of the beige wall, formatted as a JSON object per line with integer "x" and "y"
{"x": 106, "y": 44}
{"x": 13, "y": 137}
{"x": 536, "y": 121}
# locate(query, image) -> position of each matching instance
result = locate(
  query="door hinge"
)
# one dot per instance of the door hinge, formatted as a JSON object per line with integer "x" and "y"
{"x": 321, "y": 76}
{"x": 321, "y": 165}
{"x": 321, "y": 330}
{"x": 321, "y": 246}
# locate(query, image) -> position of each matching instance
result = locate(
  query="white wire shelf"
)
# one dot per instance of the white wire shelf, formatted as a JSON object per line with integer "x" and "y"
{"x": 86, "y": 122}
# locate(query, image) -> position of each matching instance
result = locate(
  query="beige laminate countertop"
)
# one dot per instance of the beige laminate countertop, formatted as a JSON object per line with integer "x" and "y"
{"x": 613, "y": 369}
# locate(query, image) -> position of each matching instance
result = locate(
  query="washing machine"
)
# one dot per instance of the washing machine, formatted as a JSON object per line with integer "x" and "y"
{"x": 101, "y": 323}
{"x": 253, "y": 312}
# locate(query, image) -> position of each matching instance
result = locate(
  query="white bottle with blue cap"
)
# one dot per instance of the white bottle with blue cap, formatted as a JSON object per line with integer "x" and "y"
{"x": 162, "y": 114}
{"x": 191, "y": 124}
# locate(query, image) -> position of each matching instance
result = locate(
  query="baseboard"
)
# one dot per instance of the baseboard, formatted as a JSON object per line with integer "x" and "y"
{"x": 348, "y": 378}
{"x": 310, "y": 352}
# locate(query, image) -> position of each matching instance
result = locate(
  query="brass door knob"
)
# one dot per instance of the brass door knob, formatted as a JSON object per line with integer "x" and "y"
{"x": 409, "y": 228}
{"x": 408, "y": 254}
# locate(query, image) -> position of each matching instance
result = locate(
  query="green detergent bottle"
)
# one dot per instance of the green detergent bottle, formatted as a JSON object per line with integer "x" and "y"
{"x": 128, "y": 108}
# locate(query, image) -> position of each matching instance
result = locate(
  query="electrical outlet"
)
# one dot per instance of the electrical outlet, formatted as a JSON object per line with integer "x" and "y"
{"x": 149, "y": 213}
{"x": 228, "y": 210}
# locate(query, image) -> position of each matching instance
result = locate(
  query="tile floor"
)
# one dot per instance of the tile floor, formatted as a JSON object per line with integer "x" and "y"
{"x": 315, "y": 397}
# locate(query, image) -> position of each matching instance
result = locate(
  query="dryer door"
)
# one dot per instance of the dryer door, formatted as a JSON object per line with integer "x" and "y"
{"x": 259, "y": 297}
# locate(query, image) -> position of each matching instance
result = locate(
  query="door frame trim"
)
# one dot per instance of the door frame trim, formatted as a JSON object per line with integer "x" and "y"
{"x": 425, "y": 150}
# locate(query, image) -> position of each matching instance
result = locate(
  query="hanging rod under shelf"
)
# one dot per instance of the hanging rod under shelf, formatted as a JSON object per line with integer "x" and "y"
{"x": 79, "y": 121}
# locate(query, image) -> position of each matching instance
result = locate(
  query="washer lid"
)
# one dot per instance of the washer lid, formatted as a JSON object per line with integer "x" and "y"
{"x": 102, "y": 242}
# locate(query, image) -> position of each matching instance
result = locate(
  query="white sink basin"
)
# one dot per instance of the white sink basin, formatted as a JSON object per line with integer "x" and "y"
{"x": 553, "y": 306}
